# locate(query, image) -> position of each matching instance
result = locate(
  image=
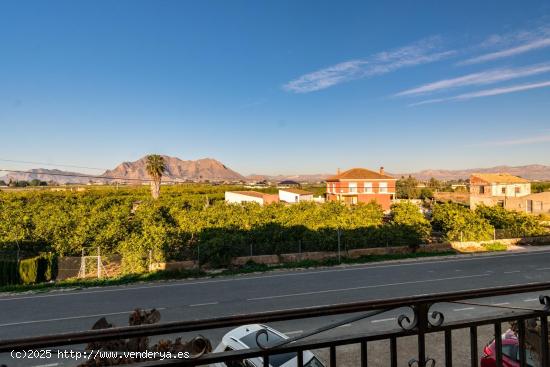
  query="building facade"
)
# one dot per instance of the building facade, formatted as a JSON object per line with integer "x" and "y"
{"x": 292, "y": 195}
{"x": 360, "y": 185}
{"x": 238, "y": 197}
{"x": 538, "y": 203}
{"x": 496, "y": 189}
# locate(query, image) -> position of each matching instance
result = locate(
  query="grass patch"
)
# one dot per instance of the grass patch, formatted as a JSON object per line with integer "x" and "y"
{"x": 249, "y": 267}
{"x": 494, "y": 246}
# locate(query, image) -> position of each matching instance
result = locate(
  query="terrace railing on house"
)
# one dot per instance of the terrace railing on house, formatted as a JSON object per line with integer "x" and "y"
{"x": 418, "y": 318}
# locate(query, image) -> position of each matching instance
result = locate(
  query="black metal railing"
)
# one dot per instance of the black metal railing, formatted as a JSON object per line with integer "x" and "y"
{"x": 422, "y": 319}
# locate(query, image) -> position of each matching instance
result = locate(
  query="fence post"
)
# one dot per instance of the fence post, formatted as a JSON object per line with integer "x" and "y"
{"x": 98, "y": 263}
{"x": 300, "y": 246}
{"x": 494, "y": 233}
{"x": 338, "y": 244}
{"x": 460, "y": 236}
{"x": 199, "y": 254}
{"x": 150, "y": 260}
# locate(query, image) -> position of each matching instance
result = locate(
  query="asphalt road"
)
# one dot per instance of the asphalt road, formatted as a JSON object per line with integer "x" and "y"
{"x": 62, "y": 311}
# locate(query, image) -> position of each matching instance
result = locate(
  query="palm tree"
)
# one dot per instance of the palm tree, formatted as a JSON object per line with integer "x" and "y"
{"x": 155, "y": 167}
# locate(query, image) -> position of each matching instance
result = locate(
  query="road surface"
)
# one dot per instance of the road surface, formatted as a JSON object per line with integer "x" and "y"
{"x": 62, "y": 311}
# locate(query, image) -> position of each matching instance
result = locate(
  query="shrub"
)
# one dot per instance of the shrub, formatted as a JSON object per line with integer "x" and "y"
{"x": 460, "y": 223}
{"x": 512, "y": 223}
{"x": 9, "y": 272}
{"x": 408, "y": 226}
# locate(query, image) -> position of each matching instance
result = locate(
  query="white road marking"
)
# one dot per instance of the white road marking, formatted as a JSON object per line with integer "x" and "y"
{"x": 345, "y": 325}
{"x": 66, "y": 318}
{"x": 540, "y": 269}
{"x": 47, "y": 365}
{"x": 383, "y": 320}
{"x": 530, "y": 299}
{"x": 501, "y": 304}
{"x": 365, "y": 287}
{"x": 463, "y": 309}
{"x": 203, "y": 304}
{"x": 72, "y": 317}
{"x": 213, "y": 281}
{"x": 512, "y": 272}
{"x": 293, "y": 332}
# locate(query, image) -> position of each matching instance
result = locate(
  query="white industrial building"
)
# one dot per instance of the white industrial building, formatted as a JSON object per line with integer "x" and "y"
{"x": 292, "y": 195}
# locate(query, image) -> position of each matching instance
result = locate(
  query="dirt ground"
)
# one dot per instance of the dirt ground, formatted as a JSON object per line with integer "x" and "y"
{"x": 379, "y": 355}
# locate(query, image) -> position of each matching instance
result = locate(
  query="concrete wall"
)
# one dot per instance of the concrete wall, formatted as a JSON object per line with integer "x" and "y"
{"x": 236, "y": 198}
{"x": 291, "y": 197}
{"x": 535, "y": 203}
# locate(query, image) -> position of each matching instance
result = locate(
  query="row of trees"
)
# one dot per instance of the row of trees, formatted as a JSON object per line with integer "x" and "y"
{"x": 193, "y": 222}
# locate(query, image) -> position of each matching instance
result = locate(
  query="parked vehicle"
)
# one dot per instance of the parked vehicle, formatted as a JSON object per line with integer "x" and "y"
{"x": 510, "y": 353}
{"x": 244, "y": 337}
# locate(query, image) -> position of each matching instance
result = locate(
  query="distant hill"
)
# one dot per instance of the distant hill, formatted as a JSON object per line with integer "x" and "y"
{"x": 206, "y": 169}
{"x": 298, "y": 178}
{"x": 209, "y": 169}
{"x": 49, "y": 175}
{"x": 531, "y": 172}
{"x": 178, "y": 169}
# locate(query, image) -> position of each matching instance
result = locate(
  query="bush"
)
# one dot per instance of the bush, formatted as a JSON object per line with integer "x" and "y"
{"x": 38, "y": 269}
{"x": 512, "y": 223}
{"x": 459, "y": 223}
{"x": 9, "y": 272}
{"x": 408, "y": 226}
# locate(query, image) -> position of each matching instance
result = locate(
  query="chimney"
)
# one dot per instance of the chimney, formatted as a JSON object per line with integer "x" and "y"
{"x": 381, "y": 170}
{"x": 338, "y": 171}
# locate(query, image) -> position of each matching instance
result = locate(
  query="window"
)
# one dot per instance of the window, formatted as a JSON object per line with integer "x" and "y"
{"x": 352, "y": 187}
{"x": 383, "y": 187}
{"x": 518, "y": 190}
{"x": 504, "y": 190}
{"x": 368, "y": 187}
{"x": 482, "y": 189}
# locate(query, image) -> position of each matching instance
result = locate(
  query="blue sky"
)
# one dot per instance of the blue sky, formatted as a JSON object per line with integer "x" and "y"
{"x": 276, "y": 87}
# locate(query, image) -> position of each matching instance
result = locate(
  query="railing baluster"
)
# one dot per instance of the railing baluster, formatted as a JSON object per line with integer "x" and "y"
{"x": 332, "y": 356}
{"x": 473, "y": 346}
{"x": 448, "y": 348}
{"x": 393, "y": 351}
{"x": 300, "y": 358}
{"x": 364, "y": 355}
{"x": 266, "y": 360}
{"x": 498, "y": 344}
{"x": 521, "y": 342}
{"x": 544, "y": 340}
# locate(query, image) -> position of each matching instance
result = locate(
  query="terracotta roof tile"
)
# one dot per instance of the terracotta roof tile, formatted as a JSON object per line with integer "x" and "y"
{"x": 499, "y": 178}
{"x": 359, "y": 174}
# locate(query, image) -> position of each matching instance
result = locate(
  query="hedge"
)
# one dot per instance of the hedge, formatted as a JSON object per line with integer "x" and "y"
{"x": 42, "y": 268}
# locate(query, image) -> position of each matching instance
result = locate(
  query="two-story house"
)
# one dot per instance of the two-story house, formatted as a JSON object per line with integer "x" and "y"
{"x": 360, "y": 185}
{"x": 496, "y": 188}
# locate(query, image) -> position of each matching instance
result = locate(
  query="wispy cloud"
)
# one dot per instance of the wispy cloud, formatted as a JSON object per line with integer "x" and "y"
{"x": 516, "y": 44}
{"x": 481, "y": 78}
{"x": 486, "y": 93}
{"x": 422, "y": 52}
{"x": 523, "y": 141}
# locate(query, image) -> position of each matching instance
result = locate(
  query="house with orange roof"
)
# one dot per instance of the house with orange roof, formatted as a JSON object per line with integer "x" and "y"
{"x": 360, "y": 185}
{"x": 496, "y": 188}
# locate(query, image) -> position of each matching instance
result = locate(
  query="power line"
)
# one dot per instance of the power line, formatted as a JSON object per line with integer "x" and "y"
{"x": 182, "y": 180}
{"x": 88, "y": 176}
{"x": 51, "y": 164}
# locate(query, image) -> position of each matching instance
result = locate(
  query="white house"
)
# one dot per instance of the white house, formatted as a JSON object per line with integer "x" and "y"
{"x": 292, "y": 195}
{"x": 237, "y": 197}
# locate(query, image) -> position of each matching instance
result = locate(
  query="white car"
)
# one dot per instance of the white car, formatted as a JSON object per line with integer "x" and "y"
{"x": 244, "y": 337}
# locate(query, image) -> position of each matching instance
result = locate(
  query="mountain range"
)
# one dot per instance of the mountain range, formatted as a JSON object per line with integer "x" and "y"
{"x": 209, "y": 169}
